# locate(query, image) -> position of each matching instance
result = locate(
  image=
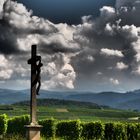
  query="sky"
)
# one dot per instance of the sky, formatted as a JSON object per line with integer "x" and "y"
{"x": 69, "y": 11}
{"x": 86, "y": 45}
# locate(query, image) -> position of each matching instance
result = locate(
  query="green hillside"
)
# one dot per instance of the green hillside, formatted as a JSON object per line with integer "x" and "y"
{"x": 65, "y": 110}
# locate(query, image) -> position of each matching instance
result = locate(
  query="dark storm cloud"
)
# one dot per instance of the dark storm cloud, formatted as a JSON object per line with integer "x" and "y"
{"x": 104, "y": 50}
{"x": 7, "y": 39}
{"x": 109, "y": 39}
{"x": 17, "y": 24}
{"x": 56, "y": 48}
{"x": 19, "y": 30}
{"x": 130, "y": 10}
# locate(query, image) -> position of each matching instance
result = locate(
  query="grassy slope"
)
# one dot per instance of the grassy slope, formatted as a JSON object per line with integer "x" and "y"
{"x": 62, "y": 110}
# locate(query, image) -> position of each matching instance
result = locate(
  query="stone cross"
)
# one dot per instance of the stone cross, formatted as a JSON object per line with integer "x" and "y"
{"x": 33, "y": 130}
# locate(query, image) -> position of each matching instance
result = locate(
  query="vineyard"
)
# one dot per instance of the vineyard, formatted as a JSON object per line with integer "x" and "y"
{"x": 71, "y": 110}
{"x": 71, "y": 130}
{"x": 70, "y": 120}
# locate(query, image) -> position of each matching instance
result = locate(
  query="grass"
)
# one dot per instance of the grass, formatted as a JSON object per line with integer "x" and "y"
{"x": 19, "y": 137}
{"x": 12, "y": 137}
{"x": 72, "y": 113}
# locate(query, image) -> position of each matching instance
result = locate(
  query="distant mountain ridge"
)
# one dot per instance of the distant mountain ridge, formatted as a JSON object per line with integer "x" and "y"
{"x": 128, "y": 100}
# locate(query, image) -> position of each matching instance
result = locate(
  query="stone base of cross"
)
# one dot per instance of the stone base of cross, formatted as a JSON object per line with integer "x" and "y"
{"x": 33, "y": 130}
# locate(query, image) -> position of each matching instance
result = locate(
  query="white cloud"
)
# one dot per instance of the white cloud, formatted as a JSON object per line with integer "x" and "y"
{"x": 121, "y": 66}
{"x": 114, "y": 81}
{"x": 111, "y": 52}
{"x": 17, "y": 14}
{"x": 63, "y": 80}
{"x": 5, "y": 68}
{"x": 99, "y": 73}
{"x": 109, "y": 29}
{"x": 1, "y": 7}
{"x": 60, "y": 73}
{"x": 130, "y": 32}
{"x": 25, "y": 43}
{"x": 50, "y": 69}
{"x": 66, "y": 30}
{"x": 107, "y": 12}
{"x": 136, "y": 46}
{"x": 5, "y": 74}
{"x": 3, "y": 61}
{"x": 90, "y": 58}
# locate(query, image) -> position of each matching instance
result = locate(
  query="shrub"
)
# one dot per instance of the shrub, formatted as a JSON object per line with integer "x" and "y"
{"x": 69, "y": 130}
{"x": 138, "y": 130}
{"x": 92, "y": 131}
{"x": 16, "y": 125}
{"x": 114, "y": 131}
{"x": 48, "y": 130}
{"x": 133, "y": 131}
{"x": 120, "y": 132}
{"x": 3, "y": 124}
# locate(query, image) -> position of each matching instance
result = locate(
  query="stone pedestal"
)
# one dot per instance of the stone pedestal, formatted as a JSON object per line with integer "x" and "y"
{"x": 33, "y": 132}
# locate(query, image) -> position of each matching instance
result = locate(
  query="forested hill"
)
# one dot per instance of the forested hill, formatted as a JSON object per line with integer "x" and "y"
{"x": 64, "y": 103}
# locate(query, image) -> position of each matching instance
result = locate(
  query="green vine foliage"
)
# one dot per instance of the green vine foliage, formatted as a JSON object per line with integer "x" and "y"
{"x": 3, "y": 124}
{"x": 69, "y": 130}
{"x": 48, "y": 128}
{"x": 115, "y": 131}
{"x": 92, "y": 131}
{"x": 16, "y": 125}
{"x": 133, "y": 131}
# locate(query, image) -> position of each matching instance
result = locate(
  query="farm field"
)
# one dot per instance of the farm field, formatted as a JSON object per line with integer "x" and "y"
{"x": 71, "y": 111}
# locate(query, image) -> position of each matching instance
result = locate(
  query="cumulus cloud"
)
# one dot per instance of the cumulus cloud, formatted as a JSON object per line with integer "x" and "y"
{"x": 109, "y": 52}
{"x": 3, "y": 61}
{"x": 60, "y": 73}
{"x": 107, "y": 12}
{"x": 1, "y": 7}
{"x": 61, "y": 79}
{"x": 6, "y": 74}
{"x": 20, "y": 29}
{"x": 136, "y": 46}
{"x": 5, "y": 68}
{"x": 121, "y": 66}
{"x": 71, "y": 53}
{"x": 113, "y": 35}
{"x": 114, "y": 81}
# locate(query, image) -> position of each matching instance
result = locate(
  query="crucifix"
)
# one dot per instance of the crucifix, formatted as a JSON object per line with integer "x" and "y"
{"x": 36, "y": 64}
{"x": 33, "y": 130}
